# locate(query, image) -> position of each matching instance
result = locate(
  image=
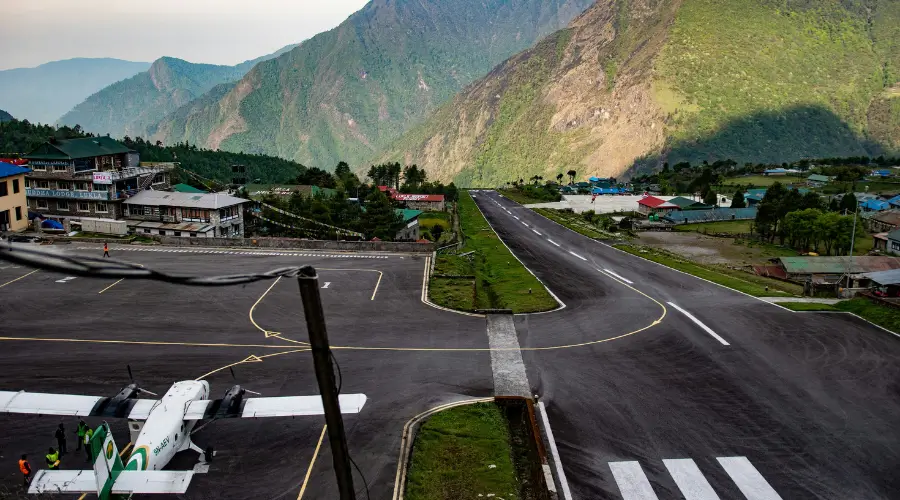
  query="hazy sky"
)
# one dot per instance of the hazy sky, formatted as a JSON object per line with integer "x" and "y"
{"x": 204, "y": 31}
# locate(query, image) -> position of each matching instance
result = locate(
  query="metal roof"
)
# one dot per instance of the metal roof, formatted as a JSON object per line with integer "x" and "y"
{"x": 819, "y": 178}
{"x": 875, "y": 205}
{"x": 683, "y": 202}
{"x": 70, "y": 149}
{"x": 186, "y": 188}
{"x": 654, "y": 202}
{"x": 891, "y": 217}
{"x": 189, "y": 200}
{"x": 838, "y": 265}
{"x": 9, "y": 170}
{"x": 419, "y": 197}
{"x": 891, "y": 277}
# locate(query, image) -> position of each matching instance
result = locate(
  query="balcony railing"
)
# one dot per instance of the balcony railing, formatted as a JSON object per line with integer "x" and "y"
{"x": 169, "y": 219}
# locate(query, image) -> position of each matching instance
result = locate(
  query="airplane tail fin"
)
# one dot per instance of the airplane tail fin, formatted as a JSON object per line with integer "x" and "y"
{"x": 107, "y": 464}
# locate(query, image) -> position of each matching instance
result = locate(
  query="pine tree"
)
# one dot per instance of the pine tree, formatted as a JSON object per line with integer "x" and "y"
{"x": 738, "y": 200}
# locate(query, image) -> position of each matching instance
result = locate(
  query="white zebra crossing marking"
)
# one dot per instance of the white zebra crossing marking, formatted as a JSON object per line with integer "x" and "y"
{"x": 748, "y": 479}
{"x": 633, "y": 484}
{"x": 690, "y": 480}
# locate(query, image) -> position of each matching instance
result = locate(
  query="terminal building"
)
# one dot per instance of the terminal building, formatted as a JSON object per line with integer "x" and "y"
{"x": 72, "y": 179}
{"x": 13, "y": 207}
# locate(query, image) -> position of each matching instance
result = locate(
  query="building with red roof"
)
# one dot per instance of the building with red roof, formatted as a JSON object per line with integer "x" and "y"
{"x": 424, "y": 202}
{"x": 652, "y": 204}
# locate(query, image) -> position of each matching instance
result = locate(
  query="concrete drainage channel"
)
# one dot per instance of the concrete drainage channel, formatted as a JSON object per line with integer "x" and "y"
{"x": 538, "y": 474}
{"x": 533, "y": 472}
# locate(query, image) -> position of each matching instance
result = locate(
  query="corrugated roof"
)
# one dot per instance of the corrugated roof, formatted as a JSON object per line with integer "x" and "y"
{"x": 891, "y": 217}
{"x": 190, "y": 200}
{"x": 891, "y": 277}
{"x": 838, "y": 265}
{"x": 875, "y": 205}
{"x": 408, "y": 214}
{"x": 654, "y": 202}
{"x": 818, "y": 178}
{"x": 70, "y": 149}
{"x": 683, "y": 202}
{"x": 9, "y": 170}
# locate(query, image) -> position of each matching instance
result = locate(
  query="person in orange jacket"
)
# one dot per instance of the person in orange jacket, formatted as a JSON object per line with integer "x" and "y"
{"x": 105, "y": 249}
{"x": 25, "y": 467}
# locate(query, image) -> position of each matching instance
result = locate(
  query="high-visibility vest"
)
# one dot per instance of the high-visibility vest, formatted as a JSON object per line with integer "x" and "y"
{"x": 82, "y": 428}
{"x": 87, "y": 435}
{"x": 53, "y": 460}
{"x": 23, "y": 468}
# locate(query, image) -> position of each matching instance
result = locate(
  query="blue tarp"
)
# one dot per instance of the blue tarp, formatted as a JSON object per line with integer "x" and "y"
{"x": 895, "y": 201}
{"x": 607, "y": 191}
{"x": 51, "y": 224}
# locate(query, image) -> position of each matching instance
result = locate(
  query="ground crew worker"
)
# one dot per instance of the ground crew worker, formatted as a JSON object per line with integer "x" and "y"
{"x": 105, "y": 249}
{"x": 82, "y": 428}
{"x": 25, "y": 467}
{"x": 61, "y": 439}
{"x": 87, "y": 442}
{"x": 52, "y": 459}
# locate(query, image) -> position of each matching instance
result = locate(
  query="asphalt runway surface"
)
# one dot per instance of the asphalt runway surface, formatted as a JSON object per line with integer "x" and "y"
{"x": 65, "y": 336}
{"x": 796, "y": 405}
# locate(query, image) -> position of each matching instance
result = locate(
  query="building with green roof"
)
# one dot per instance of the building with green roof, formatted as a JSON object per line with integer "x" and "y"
{"x": 71, "y": 179}
{"x": 688, "y": 204}
{"x": 186, "y": 188}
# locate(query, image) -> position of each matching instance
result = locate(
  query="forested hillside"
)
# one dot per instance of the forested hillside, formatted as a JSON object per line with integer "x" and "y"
{"x": 632, "y": 84}
{"x": 346, "y": 93}
{"x": 4, "y": 116}
{"x": 21, "y": 137}
{"x": 135, "y": 106}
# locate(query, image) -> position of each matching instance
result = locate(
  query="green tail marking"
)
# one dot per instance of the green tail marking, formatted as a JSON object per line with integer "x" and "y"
{"x": 107, "y": 464}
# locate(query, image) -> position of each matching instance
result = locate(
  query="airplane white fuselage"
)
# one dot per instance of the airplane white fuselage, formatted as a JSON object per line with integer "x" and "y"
{"x": 165, "y": 431}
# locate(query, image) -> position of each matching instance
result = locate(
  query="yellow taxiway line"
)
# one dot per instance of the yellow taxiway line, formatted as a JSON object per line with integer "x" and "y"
{"x": 110, "y": 286}
{"x": 20, "y": 277}
{"x": 146, "y": 342}
{"x": 312, "y": 462}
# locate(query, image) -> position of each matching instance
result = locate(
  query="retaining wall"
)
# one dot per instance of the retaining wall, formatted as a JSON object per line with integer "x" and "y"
{"x": 296, "y": 243}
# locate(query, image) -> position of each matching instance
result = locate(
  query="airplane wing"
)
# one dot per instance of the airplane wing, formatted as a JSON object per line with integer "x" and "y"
{"x": 288, "y": 406}
{"x": 152, "y": 482}
{"x": 128, "y": 482}
{"x": 63, "y": 481}
{"x": 38, "y": 403}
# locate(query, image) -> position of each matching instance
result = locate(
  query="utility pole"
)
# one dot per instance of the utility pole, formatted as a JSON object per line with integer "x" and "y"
{"x": 852, "y": 240}
{"x": 321, "y": 351}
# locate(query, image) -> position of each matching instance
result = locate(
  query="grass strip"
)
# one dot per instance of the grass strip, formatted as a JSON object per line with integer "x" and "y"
{"x": 463, "y": 452}
{"x": 881, "y": 315}
{"x": 738, "y": 280}
{"x": 501, "y": 281}
{"x": 572, "y": 221}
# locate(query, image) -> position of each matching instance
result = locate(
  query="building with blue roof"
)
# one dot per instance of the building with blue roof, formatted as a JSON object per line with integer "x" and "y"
{"x": 874, "y": 205}
{"x": 13, "y": 206}
{"x": 882, "y": 173}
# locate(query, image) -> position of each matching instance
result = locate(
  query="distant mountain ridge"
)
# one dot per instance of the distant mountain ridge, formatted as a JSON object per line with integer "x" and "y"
{"x": 134, "y": 106}
{"x": 44, "y": 93}
{"x": 635, "y": 83}
{"x": 345, "y": 94}
{"x": 4, "y": 116}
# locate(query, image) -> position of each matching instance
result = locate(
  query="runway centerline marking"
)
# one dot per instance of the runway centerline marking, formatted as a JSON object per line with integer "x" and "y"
{"x": 575, "y": 254}
{"x": 699, "y": 323}
{"x": 110, "y": 286}
{"x": 312, "y": 462}
{"x": 553, "y": 242}
{"x": 536, "y": 232}
{"x": 66, "y": 279}
{"x": 20, "y": 277}
{"x": 617, "y": 276}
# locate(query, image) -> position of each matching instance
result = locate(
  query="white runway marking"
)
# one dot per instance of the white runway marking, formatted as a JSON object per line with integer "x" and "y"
{"x": 633, "y": 484}
{"x": 617, "y": 276}
{"x": 551, "y": 241}
{"x": 748, "y": 479}
{"x": 690, "y": 480}
{"x": 516, "y": 217}
{"x": 536, "y": 232}
{"x": 567, "y": 495}
{"x": 327, "y": 283}
{"x": 700, "y": 324}
{"x": 525, "y": 224}
{"x": 575, "y": 254}
{"x": 66, "y": 279}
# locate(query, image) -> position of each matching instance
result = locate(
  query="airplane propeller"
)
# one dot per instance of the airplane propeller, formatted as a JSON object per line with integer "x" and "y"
{"x": 245, "y": 390}
{"x": 137, "y": 388}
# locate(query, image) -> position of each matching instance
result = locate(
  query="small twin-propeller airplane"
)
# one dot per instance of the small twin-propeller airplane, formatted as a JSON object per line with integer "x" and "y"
{"x": 165, "y": 431}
